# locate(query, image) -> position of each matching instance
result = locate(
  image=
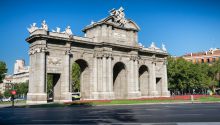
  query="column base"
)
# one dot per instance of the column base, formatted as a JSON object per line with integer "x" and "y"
{"x": 103, "y": 95}
{"x": 165, "y": 93}
{"x": 64, "y": 97}
{"x": 36, "y": 98}
{"x": 134, "y": 95}
{"x": 144, "y": 93}
{"x": 153, "y": 93}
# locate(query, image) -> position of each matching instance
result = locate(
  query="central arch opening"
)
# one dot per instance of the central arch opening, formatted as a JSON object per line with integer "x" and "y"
{"x": 119, "y": 81}
{"x": 144, "y": 80}
{"x": 80, "y": 77}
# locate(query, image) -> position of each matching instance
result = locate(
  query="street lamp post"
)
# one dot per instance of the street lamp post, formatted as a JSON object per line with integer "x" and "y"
{"x": 13, "y": 93}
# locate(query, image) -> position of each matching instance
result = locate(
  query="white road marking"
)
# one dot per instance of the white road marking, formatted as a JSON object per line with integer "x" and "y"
{"x": 45, "y": 120}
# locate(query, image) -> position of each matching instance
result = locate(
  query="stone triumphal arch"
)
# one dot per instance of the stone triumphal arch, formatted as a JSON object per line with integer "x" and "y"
{"x": 113, "y": 65}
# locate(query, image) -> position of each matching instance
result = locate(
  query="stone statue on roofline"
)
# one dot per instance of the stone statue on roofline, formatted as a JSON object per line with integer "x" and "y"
{"x": 119, "y": 16}
{"x": 68, "y": 31}
{"x": 153, "y": 46}
{"x": 57, "y": 30}
{"x": 44, "y": 25}
{"x": 32, "y": 28}
{"x": 163, "y": 47}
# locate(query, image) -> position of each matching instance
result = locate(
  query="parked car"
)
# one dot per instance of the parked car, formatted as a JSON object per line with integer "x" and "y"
{"x": 76, "y": 96}
{"x": 6, "y": 99}
{"x": 18, "y": 99}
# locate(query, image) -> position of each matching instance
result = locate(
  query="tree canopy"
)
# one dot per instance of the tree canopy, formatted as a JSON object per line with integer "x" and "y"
{"x": 75, "y": 77}
{"x": 3, "y": 70}
{"x": 186, "y": 77}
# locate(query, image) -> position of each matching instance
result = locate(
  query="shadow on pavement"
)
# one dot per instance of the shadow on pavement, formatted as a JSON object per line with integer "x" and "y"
{"x": 79, "y": 113}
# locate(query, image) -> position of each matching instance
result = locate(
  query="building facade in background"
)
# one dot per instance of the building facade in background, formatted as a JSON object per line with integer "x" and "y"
{"x": 21, "y": 72}
{"x": 20, "y": 75}
{"x": 209, "y": 56}
{"x": 113, "y": 65}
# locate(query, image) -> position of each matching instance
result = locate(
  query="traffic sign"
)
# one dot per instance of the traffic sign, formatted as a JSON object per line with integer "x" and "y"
{"x": 13, "y": 92}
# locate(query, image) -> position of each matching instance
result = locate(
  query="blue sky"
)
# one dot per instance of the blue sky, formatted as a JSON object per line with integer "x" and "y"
{"x": 184, "y": 26}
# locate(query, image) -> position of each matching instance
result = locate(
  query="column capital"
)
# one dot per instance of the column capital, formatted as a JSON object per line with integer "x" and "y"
{"x": 102, "y": 55}
{"x": 38, "y": 50}
{"x": 68, "y": 52}
{"x": 134, "y": 58}
{"x": 165, "y": 62}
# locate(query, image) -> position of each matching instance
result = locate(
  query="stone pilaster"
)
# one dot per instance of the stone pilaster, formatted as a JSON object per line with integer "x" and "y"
{"x": 152, "y": 87}
{"x": 66, "y": 95}
{"x": 136, "y": 74}
{"x": 104, "y": 70}
{"x": 100, "y": 74}
{"x": 165, "y": 91}
{"x": 133, "y": 91}
{"x": 109, "y": 85}
{"x": 95, "y": 74}
{"x": 37, "y": 88}
{"x": 110, "y": 75}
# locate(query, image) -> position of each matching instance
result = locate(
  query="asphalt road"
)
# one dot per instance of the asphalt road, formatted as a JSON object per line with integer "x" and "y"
{"x": 165, "y": 114}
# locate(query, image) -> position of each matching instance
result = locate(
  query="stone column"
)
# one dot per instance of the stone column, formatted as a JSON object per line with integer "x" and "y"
{"x": 136, "y": 75}
{"x": 95, "y": 77}
{"x": 99, "y": 74}
{"x": 31, "y": 73}
{"x": 165, "y": 91}
{"x": 110, "y": 78}
{"x": 66, "y": 95}
{"x": 95, "y": 74}
{"x": 130, "y": 77}
{"x": 133, "y": 78}
{"x": 152, "y": 87}
{"x": 104, "y": 81}
{"x": 37, "y": 90}
{"x": 42, "y": 71}
{"x": 110, "y": 75}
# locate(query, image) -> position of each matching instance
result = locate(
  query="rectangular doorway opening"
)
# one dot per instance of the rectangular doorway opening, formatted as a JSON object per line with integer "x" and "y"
{"x": 159, "y": 85}
{"x": 53, "y": 86}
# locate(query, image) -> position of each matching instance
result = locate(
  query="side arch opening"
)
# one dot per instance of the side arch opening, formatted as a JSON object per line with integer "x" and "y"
{"x": 80, "y": 77}
{"x": 119, "y": 80}
{"x": 144, "y": 80}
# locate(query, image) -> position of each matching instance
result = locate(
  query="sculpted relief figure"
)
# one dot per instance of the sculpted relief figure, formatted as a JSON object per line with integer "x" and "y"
{"x": 32, "y": 28}
{"x": 119, "y": 16}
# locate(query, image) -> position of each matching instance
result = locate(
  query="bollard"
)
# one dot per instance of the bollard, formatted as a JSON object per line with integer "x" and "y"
{"x": 192, "y": 99}
{"x": 12, "y": 101}
{"x": 13, "y": 93}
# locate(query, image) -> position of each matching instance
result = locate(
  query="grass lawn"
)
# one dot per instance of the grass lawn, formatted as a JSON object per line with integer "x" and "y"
{"x": 118, "y": 102}
{"x": 16, "y": 102}
{"x": 209, "y": 99}
{"x": 135, "y": 102}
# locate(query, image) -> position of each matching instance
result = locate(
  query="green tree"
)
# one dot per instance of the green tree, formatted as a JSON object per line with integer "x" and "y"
{"x": 76, "y": 77}
{"x": 214, "y": 71}
{"x": 49, "y": 84}
{"x": 1, "y": 95}
{"x": 3, "y": 70}
{"x": 7, "y": 93}
{"x": 178, "y": 74}
{"x": 186, "y": 77}
{"x": 21, "y": 89}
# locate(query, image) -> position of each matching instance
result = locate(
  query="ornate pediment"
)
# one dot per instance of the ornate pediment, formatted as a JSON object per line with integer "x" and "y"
{"x": 119, "y": 16}
{"x": 116, "y": 19}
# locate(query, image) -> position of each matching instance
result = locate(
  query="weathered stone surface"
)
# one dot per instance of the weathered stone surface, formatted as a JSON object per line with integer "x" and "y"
{"x": 113, "y": 65}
